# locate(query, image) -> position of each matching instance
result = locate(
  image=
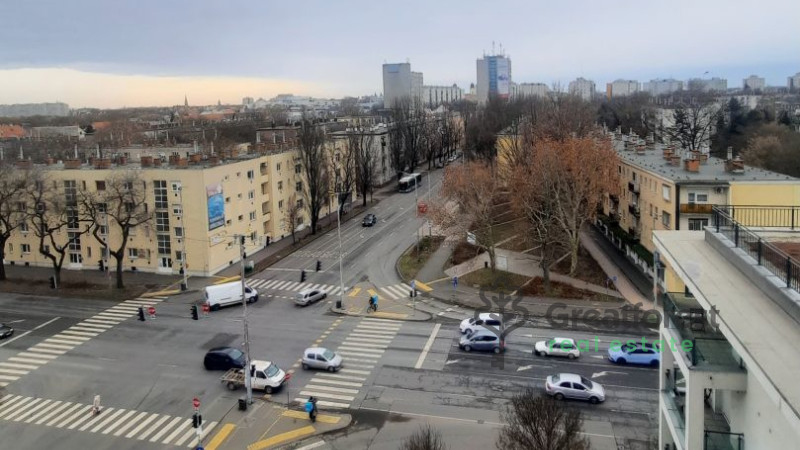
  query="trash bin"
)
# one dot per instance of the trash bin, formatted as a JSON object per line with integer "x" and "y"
{"x": 249, "y": 267}
{"x": 242, "y": 404}
{"x": 338, "y": 304}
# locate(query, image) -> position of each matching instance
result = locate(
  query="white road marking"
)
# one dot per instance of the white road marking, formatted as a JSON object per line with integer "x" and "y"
{"x": 427, "y": 347}
{"x": 336, "y": 382}
{"x": 177, "y": 431}
{"x": 324, "y": 403}
{"x": 316, "y": 387}
{"x": 150, "y": 418}
{"x": 33, "y": 410}
{"x": 342, "y": 377}
{"x": 60, "y": 415}
{"x": 118, "y": 422}
{"x": 152, "y": 429}
{"x": 165, "y": 429}
{"x": 18, "y": 366}
{"x": 28, "y": 332}
{"x": 36, "y": 355}
{"x": 346, "y": 398}
{"x": 55, "y": 408}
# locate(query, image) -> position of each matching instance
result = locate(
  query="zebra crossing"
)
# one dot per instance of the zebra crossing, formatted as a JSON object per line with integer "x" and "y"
{"x": 53, "y": 347}
{"x": 396, "y": 291}
{"x": 361, "y": 350}
{"x": 118, "y": 422}
{"x": 283, "y": 285}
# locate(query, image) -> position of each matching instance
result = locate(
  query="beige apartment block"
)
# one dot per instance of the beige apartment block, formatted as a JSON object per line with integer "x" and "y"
{"x": 200, "y": 204}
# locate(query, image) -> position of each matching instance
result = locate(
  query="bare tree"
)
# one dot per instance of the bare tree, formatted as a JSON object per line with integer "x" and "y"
{"x": 53, "y": 208}
{"x": 293, "y": 215}
{"x": 117, "y": 208}
{"x": 469, "y": 196}
{"x": 534, "y": 422}
{"x": 13, "y": 210}
{"x": 426, "y": 438}
{"x": 407, "y": 133}
{"x": 693, "y": 119}
{"x": 360, "y": 145}
{"x": 342, "y": 161}
{"x": 559, "y": 116}
{"x": 313, "y": 165}
{"x": 452, "y": 134}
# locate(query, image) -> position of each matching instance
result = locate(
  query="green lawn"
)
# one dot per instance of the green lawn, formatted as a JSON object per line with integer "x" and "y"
{"x": 411, "y": 262}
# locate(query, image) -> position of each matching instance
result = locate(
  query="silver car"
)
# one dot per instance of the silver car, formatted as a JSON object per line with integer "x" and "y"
{"x": 570, "y": 385}
{"x": 303, "y": 298}
{"x": 321, "y": 358}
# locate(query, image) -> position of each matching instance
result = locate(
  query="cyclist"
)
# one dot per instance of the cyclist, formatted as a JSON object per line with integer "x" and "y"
{"x": 373, "y": 303}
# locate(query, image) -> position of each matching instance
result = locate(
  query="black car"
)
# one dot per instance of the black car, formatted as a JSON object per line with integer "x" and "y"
{"x": 369, "y": 220}
{"x": 5, "y": 331}
{"x": 224, "y": 358}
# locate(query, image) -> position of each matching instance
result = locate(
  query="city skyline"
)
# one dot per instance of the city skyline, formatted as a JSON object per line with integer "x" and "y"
{"x": 138, "y": 56}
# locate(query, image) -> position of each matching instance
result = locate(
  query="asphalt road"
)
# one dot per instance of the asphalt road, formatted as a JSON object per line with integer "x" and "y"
{"x": 397, "y": 375}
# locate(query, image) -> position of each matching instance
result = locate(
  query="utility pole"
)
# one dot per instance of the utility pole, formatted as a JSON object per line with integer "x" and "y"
{"x": 416, "y": 213}
{"x": 247, "y": 382}
{"x": 185, "y": 284}
{"x": 339, "y": 232}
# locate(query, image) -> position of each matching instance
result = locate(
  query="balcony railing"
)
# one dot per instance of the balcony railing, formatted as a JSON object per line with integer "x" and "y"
{"x": 718, "y": 440}
{"x": 634, "y": 210}
{"x": 633, "y": 186}
{"x": 696, "y": 208}
{"x": 786, "y": 268}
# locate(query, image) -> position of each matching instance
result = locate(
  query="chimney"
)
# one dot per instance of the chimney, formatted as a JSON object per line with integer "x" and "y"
{"x": 668, "y": 152}
{"x": 734, "y": 165}
{"x": 691, "y": 164}
{"x": 146, "y": 161}
{"x": 675, "y": 160}
{"x": 640, "y": 149}
{"x": 156, "y": 162}
{"x": 730, "y": 154}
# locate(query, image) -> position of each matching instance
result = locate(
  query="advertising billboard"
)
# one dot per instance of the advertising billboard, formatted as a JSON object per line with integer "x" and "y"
{"x": 216, "y": 206}
{"x": 503, "y": 77}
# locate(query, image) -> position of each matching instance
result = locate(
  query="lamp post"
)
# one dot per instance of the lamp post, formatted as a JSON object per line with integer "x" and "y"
{"x": 339, "y": 233}
{"x": 185, "y": 284}
{"x": 247, "y": 382}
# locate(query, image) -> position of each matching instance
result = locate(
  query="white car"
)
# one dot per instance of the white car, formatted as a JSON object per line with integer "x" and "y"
{"x": 565, "y": 347}
{"x": 469, "y": 325}
{"x": 308, "y": 296}
{"x": 570, "y": 385}
{"x": 321, "y": 358}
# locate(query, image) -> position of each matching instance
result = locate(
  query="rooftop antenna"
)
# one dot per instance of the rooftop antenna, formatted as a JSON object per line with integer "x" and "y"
{"x": 493, "y": 53}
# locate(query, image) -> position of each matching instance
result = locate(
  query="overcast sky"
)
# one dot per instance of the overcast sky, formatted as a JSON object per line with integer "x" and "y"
{"x": 152, "y": 52}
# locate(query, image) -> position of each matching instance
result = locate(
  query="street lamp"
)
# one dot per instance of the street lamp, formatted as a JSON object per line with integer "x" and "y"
{"x": 185, "y": 284}
{"x": 247, "y": 382}
{"x": 340, "y": 196}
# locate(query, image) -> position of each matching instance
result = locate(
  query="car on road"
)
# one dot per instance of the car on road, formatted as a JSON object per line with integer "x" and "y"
{"x": 369, "y": 220}
{"x": 5, "y": 331}
{"x": 224, "y": 358}
{"x": 557, "y": 346}
{"x": 483, "y": 320}
{"x": 570, "y": 385}
{"x": 265, "y": 376}
{"x": 321, "y": 358}
{"x": 482, "y": 339}
{"x": 638, "y": 353}
{"x": 308, "y": 296}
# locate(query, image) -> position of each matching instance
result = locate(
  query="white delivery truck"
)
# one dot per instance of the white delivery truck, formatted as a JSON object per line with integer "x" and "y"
{"x": 227, "y": 294}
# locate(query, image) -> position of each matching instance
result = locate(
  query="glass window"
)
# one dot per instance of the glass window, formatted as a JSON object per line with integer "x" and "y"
{"x": 179, "y": 231}
{"x": 74, "y": 240}
{"x": 160, "y": 190}
{"x": 26, "y": 248}
{"x": 298, "y": 186}
{"x": 697, "y": 224}
{"x": 100, "y": 185}
{"x": 702, "y": 198}
{"x": 272, "y": 370}
{"x": 280, "y": 185}
{"x": 298, "y": 168}
{"x": 164, "y": 244}
{"x": 162, "y": 221}
{"x": 665, "y": 192}
{"x": 665, "y": 219}
{"x": 252, "y": 215}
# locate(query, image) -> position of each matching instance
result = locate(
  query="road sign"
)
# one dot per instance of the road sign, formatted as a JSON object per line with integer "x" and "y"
{"x": 151, "y": 310}
{"x": 196, "y": 403}
{"x": 422, "y": 208}
{"x": 206, "y": 308}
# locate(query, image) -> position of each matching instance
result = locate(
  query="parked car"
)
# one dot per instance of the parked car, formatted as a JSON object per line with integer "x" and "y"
{"x": 570, "y": 385}
{"x": 635, "y": 354}
{"x": 557, "y": 347}
{"x": 224, "y": 358}
{"x": 321, "y": 358}
{"x": 5, "y": 331}
{"x": 483, "y": 319}
{"x": 369, "y": 220}
{"x": 227, "y": 294}
{"x": 482, "y": 339}
{"x": 303, "y": 298}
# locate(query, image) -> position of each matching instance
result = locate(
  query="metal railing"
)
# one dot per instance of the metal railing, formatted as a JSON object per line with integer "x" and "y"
{"x": 766, "y": 254}
{"x": 719, "y": 440}
{"x": 763, "y": 216}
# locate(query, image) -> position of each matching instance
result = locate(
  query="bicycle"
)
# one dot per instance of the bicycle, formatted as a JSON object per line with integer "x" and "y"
{"x": 373, "y": 304}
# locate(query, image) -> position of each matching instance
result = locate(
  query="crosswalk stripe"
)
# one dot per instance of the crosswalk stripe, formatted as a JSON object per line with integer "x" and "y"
{"x": 382, "y": 340}
{"x": 365, "y": 360}
{"x": 144, "y": 423}
{"x": 403, "y": 290}
{"x": 12, "y": 405}
{"x": 104, "y": 420}
{"x": 83, "y": 416}
{"x": 67, "y": 416}
{"x": 327, "y": 395}
{"x": 140, "y": 302}
{"x": 69, "y": 339}
{"x": 53, "y": 412}
{"x": 365, "y": 344}
{"x": 124, "y": 309}
{"x": 375, "y": 331}
{"x": 9, "y": 377}
{"x": 54, "y": 405}
{"x": 336, "y": 290}
{"x": 165, "y": 429}
{"x": 14, "y": 371}
{"x": 355, "y": 371}
{"x": 156, "y": 426}
{"x": 99, "y": 320}
{"x": 36, "y": 362}
{"x": 341, "y": 377}
{"x": 205, "y": 432}
{"x": 389, "y": 293}
{"x": 280, "y": 285}
{"x": 370, "y": 335}
{"x": 37, "y": 349}
{"x": 269, "y": 284}
{"x": 68, "y": 342}
{"x": 48, "y": 345}
{"x": 315, "y": 387}
{"x": 185, "y": 437}
{"x": 177, "y": 431}
{"x": 375, "y": 327}
{"x": 366, "y": 351}
{"x": 130, "y": 423}
{"x": 361, "y": 366}
{"x": 33, "y": 410}
{"x": 18, "y": 366}
{"x": 294, "y": 286}
{"x": 79, "y": 333}
{"x": 112, "y": 315}
{"x": 22, "y": 408}
{"x": 5, "y": 397}
{"x": 324, "y": 403}
{"x": 118, "y": 422}
{"x": 349, "y": 353}
{"x": 382, "y": 321}
{"x": 336, "y": 382}
{"x": 36, "y": 355}
{"x": 98, "y": 326}
{"x": 395, "y": 291}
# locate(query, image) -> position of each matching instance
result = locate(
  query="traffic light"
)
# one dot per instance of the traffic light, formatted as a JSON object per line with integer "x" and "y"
{"x": 319, "y": 266}
{"x": 141, "y": 314}
{"x": 302, "y": 275}
{"x": 197, "y": 420}
{"x": 194, "y": 313}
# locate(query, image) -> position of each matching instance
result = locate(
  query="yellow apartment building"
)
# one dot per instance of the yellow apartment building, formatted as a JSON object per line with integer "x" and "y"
{"x": 199, "y": 205}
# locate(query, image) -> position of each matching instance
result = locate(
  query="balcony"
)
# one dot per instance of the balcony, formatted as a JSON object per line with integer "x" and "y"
{"x": 634, "y": 210}
{"x": 710, "y": 349}
{"x": 716, "y": 431}
{"x": 696, "y": 208}
{"x": 633, "y": 187}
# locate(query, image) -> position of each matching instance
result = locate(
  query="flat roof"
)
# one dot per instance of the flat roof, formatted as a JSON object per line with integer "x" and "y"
{"x": 769, "y": 336}
{"x": 712, "y": 170}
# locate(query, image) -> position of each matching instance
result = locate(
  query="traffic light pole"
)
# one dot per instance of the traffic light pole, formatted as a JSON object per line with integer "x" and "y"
{"x": 247, "y": 382}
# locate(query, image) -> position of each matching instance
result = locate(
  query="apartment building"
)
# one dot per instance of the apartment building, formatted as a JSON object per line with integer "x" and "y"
{"x": 731, "y": 300}
{"x": 583, "y": 88}
{"x": 664, "y": 187}
{"x": 199, "y": 205}
{"x": 621, "y": 88}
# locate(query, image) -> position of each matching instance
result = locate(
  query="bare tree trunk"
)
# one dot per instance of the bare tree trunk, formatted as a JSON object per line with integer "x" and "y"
{"x": 2, "y": 258}
{"x": 575, "y": 246}
{"x": 118, "y": 258}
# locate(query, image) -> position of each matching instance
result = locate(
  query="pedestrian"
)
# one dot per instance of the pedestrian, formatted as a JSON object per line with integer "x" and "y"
{"x": 96, "y": 405}
{"x": 311, "y": 408}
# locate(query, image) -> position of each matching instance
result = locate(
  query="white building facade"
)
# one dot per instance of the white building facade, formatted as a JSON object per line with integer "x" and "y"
{"x": 583, "y": 88}
{"x": 494, "y": 77}
{"x": 622, "y": 88}
{"x": 433, "y": 96}
{"x": 663, "y": 86}
{"x": 531, "y": 90}
{"x": 754, "y": 82}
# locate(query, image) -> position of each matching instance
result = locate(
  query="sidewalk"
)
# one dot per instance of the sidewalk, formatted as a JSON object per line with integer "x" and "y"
{"x": 356, "y": 301}
{"x": 268, "y": 425}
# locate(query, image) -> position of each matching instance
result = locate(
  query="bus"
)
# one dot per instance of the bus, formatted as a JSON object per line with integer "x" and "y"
{"x": 409, "y": 182}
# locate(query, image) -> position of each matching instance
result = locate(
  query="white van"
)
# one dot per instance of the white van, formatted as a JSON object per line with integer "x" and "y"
{"x": 227, "y": 294}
